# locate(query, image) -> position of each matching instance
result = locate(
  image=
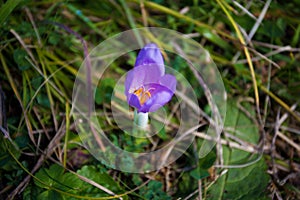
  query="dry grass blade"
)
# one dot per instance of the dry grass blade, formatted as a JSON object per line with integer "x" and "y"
{"x": 258, "y": 21}
{"x": 14, "y": 87}
{"x": 244, "y": 10}
{"x": 96, "y": 184}
{"x": 169, "y": 11}
{"x": 243, "y": 43}
{"x": 246, "y": 147}
{"x": 280, "y": 102}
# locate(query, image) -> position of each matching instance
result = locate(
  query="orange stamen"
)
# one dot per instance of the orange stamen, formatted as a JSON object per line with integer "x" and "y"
{"x": 139, "y": 91}
{"x": 143, "y": 94}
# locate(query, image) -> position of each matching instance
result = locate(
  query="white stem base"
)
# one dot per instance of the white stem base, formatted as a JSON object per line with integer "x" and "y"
{"x": 141, "y": 119}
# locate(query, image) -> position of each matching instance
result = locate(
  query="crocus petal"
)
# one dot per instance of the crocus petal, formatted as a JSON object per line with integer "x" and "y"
{"x": 140, "y": 76}
{"x": 147, "y": 88}
{"x": 160, "y": 95}
{"x": 151, "y": 54}
{"x": 133, "y": 101}
{"x": 168, "y": 81}
{"x": 129, "y": 81}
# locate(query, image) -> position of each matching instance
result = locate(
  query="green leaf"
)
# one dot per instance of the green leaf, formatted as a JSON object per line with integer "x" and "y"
{"x": 240, "y": 183}
{"x": 31, "y": 192}
{"x": 20, "y": 58}
{"x": 100, "y": 177}
{"x": 214, "y": 38}
{"x": 203, "y": 165}
{"x": 154, "y": 191}
{"x": 50, "y": 195}
{"x": 43, "y": 100}
{"x": 56, "y": 178}
{"x": 36, "y": 82}
{"x": 49, "y": 176}
{"x": 22, "y": 141}
{"x": 186, "y": 184}
{"x": 273, "y": 29}
{"x": 241, "y": 127}
{"x": 199, "y": 173}
{"x": 208, "y": 160}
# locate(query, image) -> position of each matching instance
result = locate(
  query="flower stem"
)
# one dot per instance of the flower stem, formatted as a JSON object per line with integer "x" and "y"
{"x": 141, "y": 119}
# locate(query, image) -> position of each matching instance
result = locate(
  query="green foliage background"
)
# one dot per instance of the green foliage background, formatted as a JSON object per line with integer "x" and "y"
{"x": 43, "y": 159}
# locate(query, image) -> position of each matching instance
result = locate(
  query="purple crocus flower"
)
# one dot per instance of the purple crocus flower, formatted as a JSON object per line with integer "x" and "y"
{"x": 147, "y": 87}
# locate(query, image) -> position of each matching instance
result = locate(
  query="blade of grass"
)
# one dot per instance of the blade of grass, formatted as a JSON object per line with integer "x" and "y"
{"x": 144, "y": 13}
{"x": 7, "y": 8}
{"x": 132, "y": 23}
{"x": 34, "y": 26}
{"x": 56, "y": 92}
{"x": 84, "y": 18}
{"x": 59, "y": 77}
{"x": 258, "y": 21}
{"x": 87, "y": 63}
{"x": 247, "y": 54}
{"x": 58, "y": 61}
{"x": 280, "y": 102}
{"x": 14, "y": 87}
{"x": 244, "y": 10}
{"x": 176, "y": 14}
{"x": 67, "y": 134}
{"x": 25, "y": 92}
{"x": 41, "y": 58}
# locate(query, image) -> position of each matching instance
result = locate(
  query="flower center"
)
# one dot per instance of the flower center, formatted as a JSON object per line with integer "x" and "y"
{"x": 143, "y": 94}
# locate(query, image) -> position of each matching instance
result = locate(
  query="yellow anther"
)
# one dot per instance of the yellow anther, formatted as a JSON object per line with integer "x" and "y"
{"x": 148, "y": 93}
{"x": 139, "y": 91}
{"x": 143, "y": 94}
